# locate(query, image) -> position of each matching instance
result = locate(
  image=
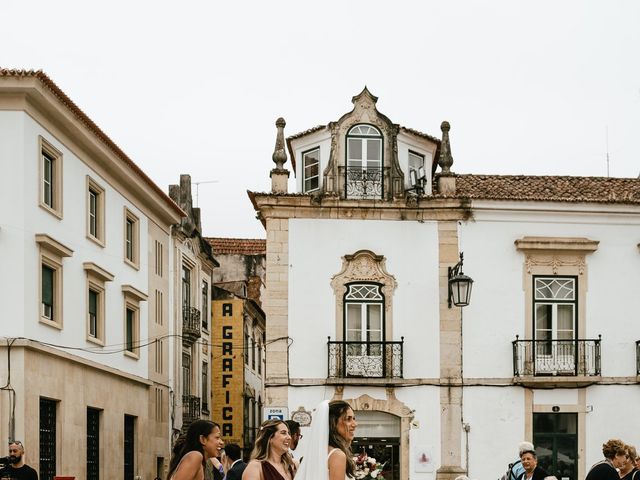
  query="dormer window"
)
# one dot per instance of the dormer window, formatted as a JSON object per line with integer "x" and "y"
{"x": 416, "y": 172}
{"x": 311, "y": 169}
{"x": 364, "y": 162}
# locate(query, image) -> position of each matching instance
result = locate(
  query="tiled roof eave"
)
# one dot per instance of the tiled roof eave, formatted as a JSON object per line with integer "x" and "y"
{"x": 84, "y": 119}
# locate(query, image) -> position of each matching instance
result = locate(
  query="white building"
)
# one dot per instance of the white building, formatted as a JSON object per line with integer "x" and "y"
{"x": 357, "y": 307}
{"x": 84, "y": 268}
{"x": 192, "y": 263}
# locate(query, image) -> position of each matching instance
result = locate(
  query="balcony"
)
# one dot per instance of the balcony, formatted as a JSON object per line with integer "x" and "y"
{"x": 190, "y": 325}
{"x": 364, "y": 182}
{"x": 365, "y": 359}
{"x": 190, "y": 410}
{"x": 556, "y": 362}
{"x": 638, "y": 358}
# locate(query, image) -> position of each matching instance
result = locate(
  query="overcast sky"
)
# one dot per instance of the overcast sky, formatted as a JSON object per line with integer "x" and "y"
{"x": 195, "y": 86}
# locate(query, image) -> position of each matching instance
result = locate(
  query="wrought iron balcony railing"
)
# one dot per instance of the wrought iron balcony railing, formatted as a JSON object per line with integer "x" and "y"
{"x": 365, "y": 359}
{"x": 190, "y": 325}
{"x": 556, "y": 357}
{"x": 190, "y": 410}
{"x": 364, "y": 182}
{"x": 638, "y": 357}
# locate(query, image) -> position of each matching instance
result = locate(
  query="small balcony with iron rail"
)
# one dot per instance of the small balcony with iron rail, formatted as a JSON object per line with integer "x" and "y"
{"x": 364, "y": 182}
{"x": 376, "y": 362}
{"x": 556, "y": 362}
{"x": 191, "y": 326}
{"x": 190, "y": 410}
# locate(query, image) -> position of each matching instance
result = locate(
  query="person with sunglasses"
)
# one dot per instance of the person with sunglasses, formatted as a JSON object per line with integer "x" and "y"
{"x": 17, "y": 469}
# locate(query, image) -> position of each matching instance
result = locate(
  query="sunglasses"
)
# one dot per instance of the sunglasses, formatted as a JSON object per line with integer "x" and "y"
{"x": 16, "y": 442}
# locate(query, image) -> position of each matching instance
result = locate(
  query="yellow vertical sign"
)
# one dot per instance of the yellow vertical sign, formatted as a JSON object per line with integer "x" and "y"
{"x": 227, "y": 366}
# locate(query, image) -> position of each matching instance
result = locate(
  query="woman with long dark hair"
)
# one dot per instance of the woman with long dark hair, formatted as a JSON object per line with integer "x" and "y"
{"x": 192, "y": 450}
{"x": 327, "y": 452}
{"x": 270, "y": 459}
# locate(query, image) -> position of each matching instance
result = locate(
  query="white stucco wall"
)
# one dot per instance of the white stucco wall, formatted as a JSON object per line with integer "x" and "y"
{"x": 315, "y": 256}
{"x": 22, "y": 219}
{"x": 320, "y": 139}
{"x": 497, "y": 310}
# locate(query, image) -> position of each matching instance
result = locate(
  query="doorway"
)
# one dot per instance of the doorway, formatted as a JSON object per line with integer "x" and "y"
{"x": 378, "y": 436}
{"x": 555, "y": 436}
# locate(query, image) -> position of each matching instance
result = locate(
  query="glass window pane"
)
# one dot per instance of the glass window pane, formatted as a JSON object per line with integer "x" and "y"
{"x": 93, "y": 302}
{"x": 355, "y": 149}
{"x": 47, "y": 285}
{"x": 415, "y": 161}
{"x": 565, "y": 317}
{"x": 543, "y": 317}
{"x": 354, "y": 322}
{"x": 375, "y": 318}
{"x": 373, "y": 149}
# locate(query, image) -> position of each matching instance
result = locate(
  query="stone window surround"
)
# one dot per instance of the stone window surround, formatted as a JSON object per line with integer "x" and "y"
{"x": 96, "y": 280}
{"x": 51, "y": 254}
{"x": 45, "y": 147}
{"x": 132, "y": 298}
{"x": 550, "y": 256}
{"x": 363, "y": 266}
{"x": 100, "y": 237}
{"x": 135, "y": 240}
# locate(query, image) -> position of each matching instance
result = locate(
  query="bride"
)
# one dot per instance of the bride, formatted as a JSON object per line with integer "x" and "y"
{"x": 327, "y": 453}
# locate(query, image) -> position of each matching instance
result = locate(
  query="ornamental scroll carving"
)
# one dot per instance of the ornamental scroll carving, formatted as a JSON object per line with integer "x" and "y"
{"x": 364, "y": 266}
{"x": 555, "y": 262}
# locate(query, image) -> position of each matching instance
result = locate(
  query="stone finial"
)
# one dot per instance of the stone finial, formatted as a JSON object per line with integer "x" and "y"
{"x": 446, "y": 160}
{"x": 279, "y": 155}
{"x": 279, "y": 175}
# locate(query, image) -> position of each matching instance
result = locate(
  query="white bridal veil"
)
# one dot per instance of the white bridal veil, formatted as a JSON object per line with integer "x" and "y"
{"x": 314, "y": 455}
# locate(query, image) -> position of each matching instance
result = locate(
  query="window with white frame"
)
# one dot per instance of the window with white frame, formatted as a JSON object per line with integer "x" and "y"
{"x": 364, "y": 320}
{"x": 555, "y": 305}
{"x": 95, "y": 212}
{"x": 50, "y": 160}
{"x": 51, "y": 254}
{"x": 364, "y": 162}
{"x": 311, "y": 170}
{"x": 131, "y": 239}
{"x": 416, "y": 169}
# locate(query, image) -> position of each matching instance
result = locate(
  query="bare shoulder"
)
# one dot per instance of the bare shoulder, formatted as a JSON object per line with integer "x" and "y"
{"x": 337, "y": 464}
{"x": 189, "y": 465}
{"x": 253, "y": 471}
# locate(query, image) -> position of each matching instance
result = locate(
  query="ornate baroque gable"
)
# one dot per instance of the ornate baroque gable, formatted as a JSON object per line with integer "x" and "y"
{"x": 364, "y": 112}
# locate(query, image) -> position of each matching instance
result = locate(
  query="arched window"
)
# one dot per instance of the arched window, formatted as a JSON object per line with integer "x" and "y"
{"x": 364, "y": 162}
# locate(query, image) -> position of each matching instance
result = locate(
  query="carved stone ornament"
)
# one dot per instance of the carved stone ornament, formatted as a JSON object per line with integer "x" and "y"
{"x": 302, "y": 416}
{"x": 364, "y": 266}
{"x": 555, "y": 262}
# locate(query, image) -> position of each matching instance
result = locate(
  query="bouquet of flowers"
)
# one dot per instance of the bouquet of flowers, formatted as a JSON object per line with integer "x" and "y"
{"x": 368, "y": 468}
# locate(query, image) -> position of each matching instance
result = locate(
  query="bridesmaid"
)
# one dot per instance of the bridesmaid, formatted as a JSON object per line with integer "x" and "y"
{"x": 192, "y": 451}
{"x": 270, "y": 459}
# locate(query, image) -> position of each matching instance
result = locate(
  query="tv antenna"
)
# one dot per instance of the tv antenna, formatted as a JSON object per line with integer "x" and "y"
{"x": 197, "y": 184}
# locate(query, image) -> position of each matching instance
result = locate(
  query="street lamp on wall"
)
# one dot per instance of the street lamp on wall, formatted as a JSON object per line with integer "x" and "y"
{"x": 459, "y": 286}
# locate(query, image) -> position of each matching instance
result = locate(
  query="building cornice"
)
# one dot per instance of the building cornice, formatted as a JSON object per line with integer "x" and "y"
{"x": 332, "y": 207}
{"x": 56, "y": 352}
{"x": 37, "y": 95}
